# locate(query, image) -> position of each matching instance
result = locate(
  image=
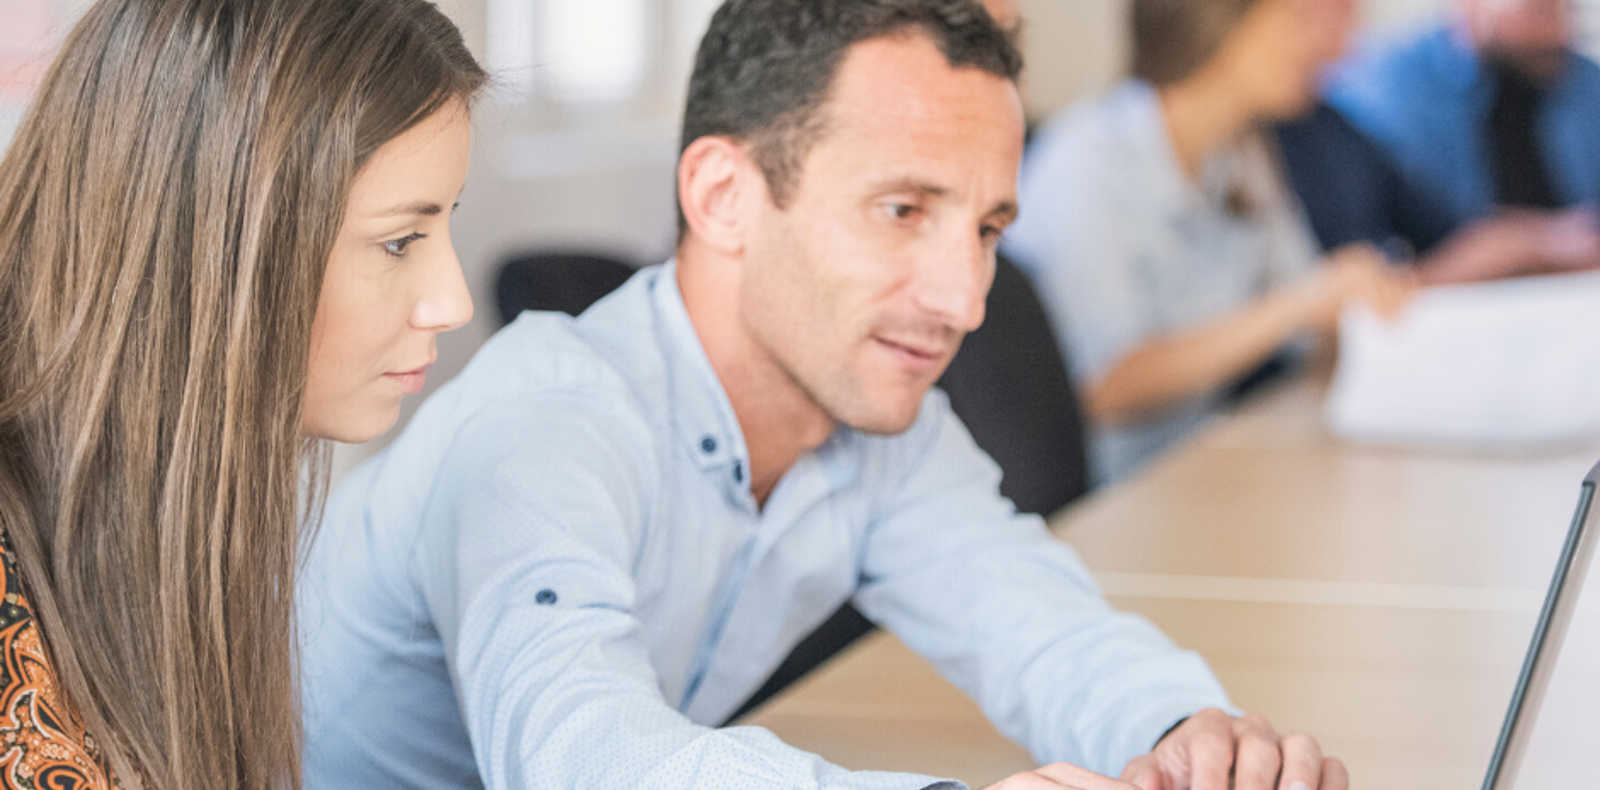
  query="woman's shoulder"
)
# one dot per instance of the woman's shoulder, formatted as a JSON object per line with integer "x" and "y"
{"x": 42, "y": 741}
{"x": 1099, "y": 150}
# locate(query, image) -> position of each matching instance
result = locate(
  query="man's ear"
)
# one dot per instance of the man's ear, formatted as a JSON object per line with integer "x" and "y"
{"x": 712, "y": 176}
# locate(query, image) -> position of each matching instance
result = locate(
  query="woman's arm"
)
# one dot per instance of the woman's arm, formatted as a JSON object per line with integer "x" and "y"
{"x": 1172, "y": 367}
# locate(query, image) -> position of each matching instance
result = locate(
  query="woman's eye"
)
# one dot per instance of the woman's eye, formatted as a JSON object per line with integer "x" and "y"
{"x": 397, "y": 247}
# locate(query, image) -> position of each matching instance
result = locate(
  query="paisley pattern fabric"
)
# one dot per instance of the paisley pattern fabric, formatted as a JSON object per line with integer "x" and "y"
{"x": 43, "y": 745}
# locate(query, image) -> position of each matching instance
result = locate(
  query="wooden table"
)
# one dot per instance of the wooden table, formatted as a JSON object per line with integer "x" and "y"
{"x": 1378, "y": 598}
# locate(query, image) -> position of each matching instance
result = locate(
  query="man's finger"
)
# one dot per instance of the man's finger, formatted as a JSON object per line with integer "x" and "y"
{"x": 1334, "y": 775}
{"x": 1303, "y": 764}
{"x": 1258, "y": 760}
{"x": 1144, "y": 773}
{"x": 1211, "y": 757}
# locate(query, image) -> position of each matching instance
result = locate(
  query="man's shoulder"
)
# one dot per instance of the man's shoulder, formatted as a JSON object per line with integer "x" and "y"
{"x": 1398, "y": 66}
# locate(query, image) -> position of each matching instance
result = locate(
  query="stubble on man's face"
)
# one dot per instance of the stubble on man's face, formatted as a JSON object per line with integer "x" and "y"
{"x": 861, "y": 288}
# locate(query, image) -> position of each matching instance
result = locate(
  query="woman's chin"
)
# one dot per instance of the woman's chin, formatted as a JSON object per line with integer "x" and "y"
{"x": 353, "y": 428}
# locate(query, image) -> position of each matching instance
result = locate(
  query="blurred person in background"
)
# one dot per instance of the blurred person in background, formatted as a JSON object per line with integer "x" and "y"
{"x": 224, "y": 236}
{"x": 1160, "y": 231}
{"x": 1355, "y": 189}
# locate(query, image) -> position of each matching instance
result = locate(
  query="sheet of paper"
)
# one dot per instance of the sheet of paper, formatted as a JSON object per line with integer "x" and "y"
{"x": 1515, "y": 362}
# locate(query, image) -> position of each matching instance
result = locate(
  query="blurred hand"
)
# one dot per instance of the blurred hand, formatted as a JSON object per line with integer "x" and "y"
{"x": 1566, "y": 240}
{"x": 1214, "y": 751}
{"x": 1516, "y": 243}
{"x": 1357, "y": 272}
{"x": 1058, "y": 776}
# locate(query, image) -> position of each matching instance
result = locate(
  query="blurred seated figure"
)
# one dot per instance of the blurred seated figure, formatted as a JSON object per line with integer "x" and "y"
{"x": 1489, "y": 130}
{"x": 1161, "y": 233}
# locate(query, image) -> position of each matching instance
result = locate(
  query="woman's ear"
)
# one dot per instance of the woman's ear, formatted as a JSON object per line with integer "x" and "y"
{"x": 711, "y": 178}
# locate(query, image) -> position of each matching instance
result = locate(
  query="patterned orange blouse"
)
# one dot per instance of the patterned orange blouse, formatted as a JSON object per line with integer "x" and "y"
{"x": 43, "y": 745}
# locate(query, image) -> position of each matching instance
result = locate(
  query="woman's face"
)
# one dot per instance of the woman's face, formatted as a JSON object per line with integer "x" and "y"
{"x": 393, "y": 282}
{"x": 1280, "y": 49}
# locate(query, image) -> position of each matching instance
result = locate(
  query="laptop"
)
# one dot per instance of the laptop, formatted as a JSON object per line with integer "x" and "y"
{"x": 1540, "y": 746}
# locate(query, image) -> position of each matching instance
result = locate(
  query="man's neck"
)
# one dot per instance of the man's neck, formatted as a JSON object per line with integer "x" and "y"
{"x": 780, "y": 423}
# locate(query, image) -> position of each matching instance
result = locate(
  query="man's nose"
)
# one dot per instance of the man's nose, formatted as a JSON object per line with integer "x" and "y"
{"x": 954, "y": 282}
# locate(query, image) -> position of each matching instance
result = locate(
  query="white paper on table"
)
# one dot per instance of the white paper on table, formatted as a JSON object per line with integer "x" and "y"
{"x": 1515, "y": 362}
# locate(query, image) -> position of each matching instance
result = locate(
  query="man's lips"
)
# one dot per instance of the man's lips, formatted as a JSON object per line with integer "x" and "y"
{"x": 915, "y": 354}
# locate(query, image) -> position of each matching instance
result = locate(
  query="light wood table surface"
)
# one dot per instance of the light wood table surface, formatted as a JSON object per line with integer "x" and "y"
{"x": 1379, "y": 598}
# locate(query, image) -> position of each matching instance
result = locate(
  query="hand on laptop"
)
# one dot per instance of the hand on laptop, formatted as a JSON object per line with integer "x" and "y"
{"x": 1202, "y": 752}
{"x": 1060, "y": 776}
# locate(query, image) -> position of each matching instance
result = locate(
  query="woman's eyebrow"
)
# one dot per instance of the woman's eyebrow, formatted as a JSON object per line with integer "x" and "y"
{"x": 421, "y": 208}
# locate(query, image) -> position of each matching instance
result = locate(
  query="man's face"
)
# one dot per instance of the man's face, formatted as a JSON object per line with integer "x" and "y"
{"x": 863, "y": 287}
{"x": 1531, "y": 35}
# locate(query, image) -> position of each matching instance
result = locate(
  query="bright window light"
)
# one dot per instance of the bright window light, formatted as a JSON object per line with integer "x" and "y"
{"x": 594, "y": 50}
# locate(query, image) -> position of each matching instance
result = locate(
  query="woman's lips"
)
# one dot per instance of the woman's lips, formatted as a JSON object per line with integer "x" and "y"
{"x": 412, "y": 381}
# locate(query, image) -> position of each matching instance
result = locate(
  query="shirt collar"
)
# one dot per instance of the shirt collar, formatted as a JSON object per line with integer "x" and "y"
{"x": 702, "y": 416}
{"x": 1168, "y": 184}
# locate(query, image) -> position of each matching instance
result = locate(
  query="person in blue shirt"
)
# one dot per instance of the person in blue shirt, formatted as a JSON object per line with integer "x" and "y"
{"x": 1494, "y": 117}
{"x": 588, "y": 550}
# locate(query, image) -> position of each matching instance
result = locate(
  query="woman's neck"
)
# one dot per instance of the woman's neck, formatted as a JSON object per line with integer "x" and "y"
{"x": 1203, "y": 114}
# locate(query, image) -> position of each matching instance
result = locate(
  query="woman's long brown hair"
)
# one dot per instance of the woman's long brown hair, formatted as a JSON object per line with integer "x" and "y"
{"x": 167, "y": 211}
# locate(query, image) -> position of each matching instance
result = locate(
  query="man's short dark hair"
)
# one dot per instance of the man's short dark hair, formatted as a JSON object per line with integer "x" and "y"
{"x": 765, "y": 67}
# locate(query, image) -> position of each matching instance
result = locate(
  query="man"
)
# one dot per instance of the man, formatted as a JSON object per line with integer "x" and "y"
{"x": 589, "y": 549}
{"x": 1492, "y": 112}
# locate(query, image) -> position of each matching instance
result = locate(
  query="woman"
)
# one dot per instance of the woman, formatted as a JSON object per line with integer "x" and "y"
{"x": 223, "y": 235}
{"x": 1161, "y": 233}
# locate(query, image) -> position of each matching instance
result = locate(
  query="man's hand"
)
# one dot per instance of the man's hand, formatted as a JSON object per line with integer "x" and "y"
{"x": 1211, "y": 746}
{"x": 1059, "y": 776}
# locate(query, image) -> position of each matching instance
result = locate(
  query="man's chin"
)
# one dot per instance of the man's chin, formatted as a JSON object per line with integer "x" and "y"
{"x": 883, "y": 421}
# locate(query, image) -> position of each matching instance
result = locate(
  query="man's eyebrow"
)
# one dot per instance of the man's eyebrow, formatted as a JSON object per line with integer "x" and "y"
{"x": 1006, "y": 210}
{"x": 926, "y": 188}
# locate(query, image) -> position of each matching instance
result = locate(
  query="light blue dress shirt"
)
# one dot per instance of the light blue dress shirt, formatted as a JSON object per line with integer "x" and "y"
{"x": 1124, "y": 247}
{"x": 1426, "y": 100}
{"x": 557, "y": 578}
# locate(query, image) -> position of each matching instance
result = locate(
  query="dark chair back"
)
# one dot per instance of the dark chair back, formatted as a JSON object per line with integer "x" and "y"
{"x": 1011, "y": 387}
{"x": 567, "y": 282}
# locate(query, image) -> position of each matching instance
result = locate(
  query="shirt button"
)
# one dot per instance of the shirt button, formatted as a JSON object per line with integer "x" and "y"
{"x": 545, "y": 597}
{"x": 738, "y": 472}
{"x": 708, "y": 445}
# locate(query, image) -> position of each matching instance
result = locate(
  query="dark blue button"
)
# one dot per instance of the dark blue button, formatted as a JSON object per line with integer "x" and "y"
{"x": 546, "y": 597}
{"x": 738, "y": 472}
{"x": 708, "y": 445}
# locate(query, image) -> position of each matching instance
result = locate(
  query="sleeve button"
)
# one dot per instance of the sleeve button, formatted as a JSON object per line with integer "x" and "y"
{"x": 546, "y": 597}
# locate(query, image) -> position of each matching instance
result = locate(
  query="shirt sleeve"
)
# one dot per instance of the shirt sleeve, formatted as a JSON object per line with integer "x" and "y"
{"x": 527, "y": 547}
{"x": 1010, "y": 615}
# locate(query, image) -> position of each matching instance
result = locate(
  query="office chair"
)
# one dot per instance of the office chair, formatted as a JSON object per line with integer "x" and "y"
{"x": 1010, "y": 385}
{"x": 567, "y": 282}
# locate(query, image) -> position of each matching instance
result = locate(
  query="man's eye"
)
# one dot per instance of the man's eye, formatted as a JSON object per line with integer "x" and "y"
{"x": 397, "y": 247}
{"x": 901, "y": 211}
